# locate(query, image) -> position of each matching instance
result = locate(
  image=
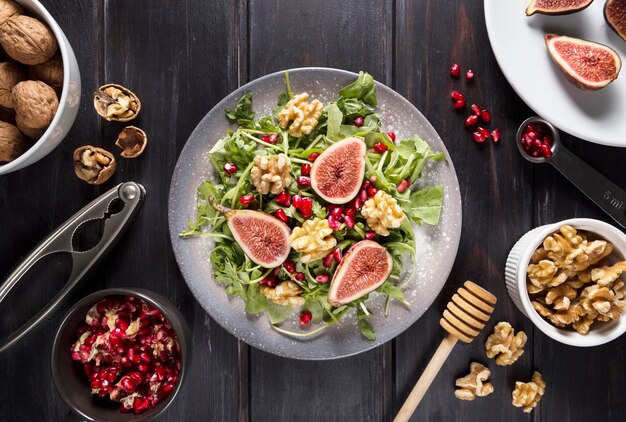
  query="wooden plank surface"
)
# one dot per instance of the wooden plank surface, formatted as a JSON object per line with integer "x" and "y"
{"x": 181, "y": 58}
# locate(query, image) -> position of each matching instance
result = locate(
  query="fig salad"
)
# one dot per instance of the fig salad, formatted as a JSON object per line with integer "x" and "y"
{"x": 313, "y": 206}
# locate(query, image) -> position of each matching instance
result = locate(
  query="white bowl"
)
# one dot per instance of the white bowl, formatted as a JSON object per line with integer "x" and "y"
{"x": 68, "y": 103}
{"x": 515, "y": 276}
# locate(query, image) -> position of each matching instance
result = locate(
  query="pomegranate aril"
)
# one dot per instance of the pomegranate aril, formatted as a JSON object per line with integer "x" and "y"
{"x": 306, "y": 208}
{"x": 403, "y": 185}
{"x": 457, "y": 96}
{"x": 379, "y": 147}
{"x": 140, "y": 405}
{"x": 455, "y": 71}
{"x": 303, "y": 181}
{"x": 305, "y": 170}
{"x": 296, "y": 201}
{"x": 333, "y": 222}
{"x": 392, "y": 136}
{"x": 363, "y": 195}
{"x": 290, "y": 266}
{"x": 469, "y": 75}
{"x": 366, "y": 184}
{"x": 485, "y": 116}
{"x": 305, "y": 318}
{"x": 269, "y": 280}
{"x": 471, "y": 121}
{"x": 246, "y": 199}
{"x": 270, "y": 139}
{"x": 484, "y": 132}
{"x": 370, "y": 234}
{"x": 323, "y": 278}
{"x": 358, "y": 204}
{"x": 495, "y": 135}
{"x": 299, "y": 276}
{"x": 283, "y": 199}
{"x": 458, "y": 105}
{"x": 336, "y": 212}
{"x": 313, "y": 156}
{"x": 337, "y": 255}
{"x": 280, "y": 214}
{"x": 327, "y": 261}
{"x": 475, "y": 109}
{"x": 371, "y": 191}
{"x": 546, "y": 151}
{"x": 230, "y": 168}
{"x": 358, "y": 121}
{"x": 349, "y": 221}
{"x": 351, "y": 212}
{"x": 478, "y": 137}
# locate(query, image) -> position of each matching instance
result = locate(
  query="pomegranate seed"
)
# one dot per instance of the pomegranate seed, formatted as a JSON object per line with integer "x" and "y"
{"x": 289, "y": 266}
{"x": 128, "y": 384}
{"x": 458, "y": 105}
{"x": 305, "y": 318}
{"x": 351, "y": 212}
{"x": 370, "y": 234}
{"x": 455, "y": 71}
{"x": 371, "y": 191}
{"x": 305, "y": 170}
{"x": 337, "y": 255}
{"x": 546, "y": 151}
{"x": 334, "y": 223}
{"x": 230, "y": 168}
{"x": 349, "y": 221}
{"x": 246, "y": 199}
{"x": 323, "y": 278}
{"x": 484, "y": 132}
{"x": 303, "y": 181}
{"x": 336, "y": 212}
{"x": 313, "y": 156}
{"x": 469, "y": 75}
{"x": 403, "y": 185}
{"x": 358, "y": 121}
{"x": 270, "y": 139}
{"x": 379, "y": 147}
{"x": 296, "y": 201}
{"x": 471, "y": 121}
{"x": 475, "y": 109}
{"x": 283, "y": 199}
{"x": 478, "y": 137}
{"x": 140, "y": 405}
{"x": 485, "y": 115}
{"x": 327, "y": 261}
{"x": 392, "y": 136}
{"x": 143, "y": 367}
{"x": 363, "y": 195}
{"x": 457, "y": 96}
{"x": 495, "y": 135}
{"x": 366, "y": 184}
{"x": 299, "y": 276}
{"x": 358, "y": 204}
{"x": 280, "y": 214}
{"x": 269, "y": 280}
{"x": 307, "y": 207}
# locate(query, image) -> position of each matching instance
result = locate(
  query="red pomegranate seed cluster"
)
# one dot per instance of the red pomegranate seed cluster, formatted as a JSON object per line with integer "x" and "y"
{"x": 129, "y": 353}
{"x": 536, "y": 141}
{"x": 472, "y": 122}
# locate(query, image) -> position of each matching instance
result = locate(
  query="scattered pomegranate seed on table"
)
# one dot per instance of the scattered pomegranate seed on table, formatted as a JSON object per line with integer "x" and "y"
{"x": 469, "y": 76}
{"x": 471, "y": 121}
{"x": 457, "y": 96}
{"x": 485, "y": 116}
{"x": 455, "y": 71}
{"x": 475, "y": 109}
{"x": 495, "y": 135}
{"x": 458, "y": 105}
{"x": 230, "y": 168}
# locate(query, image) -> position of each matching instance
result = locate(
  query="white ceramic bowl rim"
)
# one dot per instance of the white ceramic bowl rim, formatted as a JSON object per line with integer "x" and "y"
{"x": 41, "y": 11}
{"x": 599, "y": 334}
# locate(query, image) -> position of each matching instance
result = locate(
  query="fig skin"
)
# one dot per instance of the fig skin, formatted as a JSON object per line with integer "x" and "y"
{"x": 616, "y": 22}
{"x": 535, "y": 7}
{"x": 350, "y": 263}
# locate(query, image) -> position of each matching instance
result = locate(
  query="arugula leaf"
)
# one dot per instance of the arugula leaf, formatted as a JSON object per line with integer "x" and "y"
{"x": 242, "y": 113}
{"x": 364, "y": 89}
{"x": 425, "y": 204}
{"x": 366, "y": 328}
{"x": 255, "y": 302}
{"x": 335, "y": 118}
{"x": 278, "y": 313}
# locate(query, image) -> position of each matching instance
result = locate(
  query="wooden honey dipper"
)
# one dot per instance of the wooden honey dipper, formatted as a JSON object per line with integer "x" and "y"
{"x": 466, "y": 314}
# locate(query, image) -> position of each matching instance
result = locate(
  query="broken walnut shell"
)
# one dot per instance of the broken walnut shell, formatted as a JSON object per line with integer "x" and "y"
{"x": 116, "y": 103}
{"x": 93, "y": 165}
{"x": 12, "y": 143}
{"x": 10, "y": 75}
{"x": 27, "y": 40}
{"x": 133, "y": 141}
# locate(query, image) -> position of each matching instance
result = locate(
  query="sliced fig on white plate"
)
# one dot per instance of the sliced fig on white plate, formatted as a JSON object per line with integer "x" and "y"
{"x": 556, "y": 7}
{"x": 615, "y": 16}
{"x": 588, "y": 65}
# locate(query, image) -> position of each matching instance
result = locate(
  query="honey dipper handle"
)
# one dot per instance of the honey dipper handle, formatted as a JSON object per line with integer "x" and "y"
{"x": 429, "y": 374}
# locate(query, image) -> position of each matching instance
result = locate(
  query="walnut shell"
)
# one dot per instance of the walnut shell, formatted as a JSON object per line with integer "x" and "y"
{"x": 93, "y": 165}
{"x": 35, "y": 104}
{"x": 27, "y": 40}
{"x": 31, "y": 132}
{"x": 12, "y": 144}
{"x": 10, "y": 75}
{"x": 133, "y": 141}
{"x": 50, "y": 72}
{"x": 9, "y": 9}
{"x": 116, "y": 103}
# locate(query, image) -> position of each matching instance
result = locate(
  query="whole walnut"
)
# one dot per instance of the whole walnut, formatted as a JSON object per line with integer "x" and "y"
{"x": 31, "y": 132}
{"x": 35, "y": 104}
{"x": 27, "y": 40}
{"x": 50, "y": 72}
{"x": 12, "y": 144}
{"x": 8, "y": 9}
{"x": 10, "y": 75}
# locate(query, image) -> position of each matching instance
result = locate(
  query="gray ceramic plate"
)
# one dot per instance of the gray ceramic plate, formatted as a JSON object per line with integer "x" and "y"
{"x": 436, "y": 246}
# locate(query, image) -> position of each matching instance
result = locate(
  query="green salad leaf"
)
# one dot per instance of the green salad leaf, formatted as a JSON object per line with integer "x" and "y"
{"x": 362, "y": 89}
{"x": 242, "y": 113}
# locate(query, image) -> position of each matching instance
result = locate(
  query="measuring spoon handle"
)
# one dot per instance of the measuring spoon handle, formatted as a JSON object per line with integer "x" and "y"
{"x": 606, "y": 194}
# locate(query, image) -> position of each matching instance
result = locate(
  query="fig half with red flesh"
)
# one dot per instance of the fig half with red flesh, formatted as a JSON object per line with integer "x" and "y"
{"x": 263, "y": 238}
{"x": 337, "y": 174}
{"x": 556, "y": 7}
{"x": 615, "y": 16}
{"x": 363, "y": 269}
{"x": 586, "y": 64}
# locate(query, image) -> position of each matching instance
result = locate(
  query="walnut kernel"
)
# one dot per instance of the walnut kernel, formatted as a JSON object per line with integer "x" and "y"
{"x": 133, "y": 141}
{"x": 27, "y": 40}
{"x": 116, "y": 103}
{"x": 9, "y": 9}
{"x": 303, "y": 115}
{"x": 314, "y": 239}
{"x": 93, "y": 165}
{"x": 285, "y": 293}
{"x": 382, "y": 213}
{"x": 12, "y": 144}
{"x": 271, "y": 173}
{"x": 474, "y": 384}
{"x": 50, "y": 72}
{"x": 35, "y": 105}
{"x": 528, "y": 394}
{"x": 505, "y": 344}
{"x": 10, "y": 75}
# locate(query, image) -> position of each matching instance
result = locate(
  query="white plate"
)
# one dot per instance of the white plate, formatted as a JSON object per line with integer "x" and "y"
{"x": 517, "y": 42}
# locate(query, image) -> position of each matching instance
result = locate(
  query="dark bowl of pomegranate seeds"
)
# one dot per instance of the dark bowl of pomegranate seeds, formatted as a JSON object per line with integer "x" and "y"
{"x": 537, "y": 139}
{"x": 121, "y": 355}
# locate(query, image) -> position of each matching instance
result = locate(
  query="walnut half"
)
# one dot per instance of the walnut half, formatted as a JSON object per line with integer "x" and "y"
{"x": 133, "y": 141}
{"x": 474, "y": 384}
{"x": 528, "y": 394}
{"x": 93, "y": 165}
{"x": 504, "y": 344}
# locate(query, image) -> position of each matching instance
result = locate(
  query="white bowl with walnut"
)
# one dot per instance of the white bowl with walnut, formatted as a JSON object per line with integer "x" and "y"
{"x": 567, "y": 279}
{"x": 39, "y": 84}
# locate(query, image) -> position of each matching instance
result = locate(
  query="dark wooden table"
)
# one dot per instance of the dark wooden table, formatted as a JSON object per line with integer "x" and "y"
{"x": 181, "y": 57}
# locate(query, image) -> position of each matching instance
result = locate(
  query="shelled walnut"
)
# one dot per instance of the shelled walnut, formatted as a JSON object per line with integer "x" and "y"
{"x": 303, "y": 115}
{"x": 27, "y": 40}
{"x": 382, "y": 212}
{"x": 314, "y": 239}
{"x": 504, "y": 344}
{"x": 474, "y": 384}
{"x": 285, "y": 293}
{"x": 93, "y": 165}
{"x": 569, "y": 283}
{"x": 528, "y": 394}
{"x": 271, "y": 173}
{"x": 116, "y": 103}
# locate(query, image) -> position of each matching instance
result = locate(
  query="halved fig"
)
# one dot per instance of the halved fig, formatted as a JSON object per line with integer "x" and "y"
{"x": 263, "y": 238}
{"x": 337, "y": 174}
{"x": 615, "y": 16}
{"x": 363, "y": 269}
{"x": 556, "y": 7}
{"x": 586, "y": 64}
